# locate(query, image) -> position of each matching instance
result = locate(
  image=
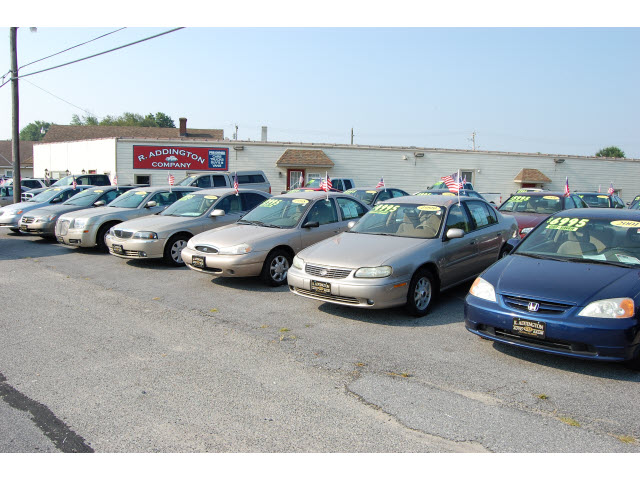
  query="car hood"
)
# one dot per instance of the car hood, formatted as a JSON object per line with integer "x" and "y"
{"x": 57, "y": 209}
{"x": 24, "y": 206}
{"x": 527, "y": 220}
{"x": 354, "y": 250}
{"x": 98, "y": 211}
{"x": 158, "y": 223}
{"x": 236, "y": 234}
{"x": 562, "y": 282}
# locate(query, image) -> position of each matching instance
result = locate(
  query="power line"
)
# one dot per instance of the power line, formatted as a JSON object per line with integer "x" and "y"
{"x": 71, "y": 48}
{"x": 60, "y": 98}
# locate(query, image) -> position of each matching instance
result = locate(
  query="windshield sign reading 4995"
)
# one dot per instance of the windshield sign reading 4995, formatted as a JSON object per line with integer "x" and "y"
{"x": 180, "y": 158}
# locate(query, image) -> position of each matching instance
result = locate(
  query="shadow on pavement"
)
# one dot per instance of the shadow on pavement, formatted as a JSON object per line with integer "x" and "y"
{"x": 15, "y": 246}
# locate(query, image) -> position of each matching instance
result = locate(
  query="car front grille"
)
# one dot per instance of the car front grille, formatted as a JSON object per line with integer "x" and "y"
{"x": 326, "y": 272}
{"x": 127, "y": 253}
{"x": 544, "y": 307}
{"x": 206, "y": 249}
{"x": 122, "y": 233}
{"x": 327, "y": 296}
{"x": 62, "y": 227}
{"x": 28, "y": 219}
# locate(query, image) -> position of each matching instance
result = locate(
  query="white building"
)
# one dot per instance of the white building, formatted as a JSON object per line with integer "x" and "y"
{"x": 140, "y": 155}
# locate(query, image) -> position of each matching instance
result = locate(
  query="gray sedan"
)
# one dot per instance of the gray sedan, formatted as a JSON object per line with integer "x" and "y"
{"x": 265, "y": 240}
{"x": 403, "y": 252}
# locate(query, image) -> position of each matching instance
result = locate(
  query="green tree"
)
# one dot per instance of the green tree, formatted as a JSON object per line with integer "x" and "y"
{"x": 33, "y": 131}
{"x": 127, "y": 119}
{"x": 85, "y": 120}
{"x": 612, "y": 151}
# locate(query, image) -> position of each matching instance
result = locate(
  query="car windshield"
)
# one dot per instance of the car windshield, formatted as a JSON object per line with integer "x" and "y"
{"x": 314, "y": 183}
{"x": 6, "y": 191}
{"x": 45, "y": 196}
{"x": 278, "y": 212}
{"x": 446, "y": 194}
{"x": 185, "y": 182}
{"x": 577, "y": 239}
{"x": 594, "y": 200}
{"x": 191, "y": 206}
{"x": 84, "y": 199}
{"x": 130, "y": 199}
{"x": 547, "y": 204}
{"x": 405, "y": 220}
{"x": 64, "y": 181}
{"x": 365, "y": 196}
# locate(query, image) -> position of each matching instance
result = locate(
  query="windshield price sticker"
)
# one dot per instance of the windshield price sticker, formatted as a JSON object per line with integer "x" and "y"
{"x": 351, "y": 192}
{"x": 301, "y": 201}
{"x": 602, "y": 196}
{"x": 429, "y": 208}
{"x": 372, "y": 191}
{"x": 424, "y": 193}
{"x": 186, "y": 197}
{"x": 449, "y": 194}
{"x": 550, "y": 197}
{"x": 209, "y": 197}
{"x": 295, "y": 190}
{"x": 98, "y": 191}
{"x": 385, "y": 208}
{"x": 519, "y": 198}
{"x": 270, "y": 203}
{"x": 141, "y": 193}
{"x": 567, "y": 224}
{"x": 626, "y": 224}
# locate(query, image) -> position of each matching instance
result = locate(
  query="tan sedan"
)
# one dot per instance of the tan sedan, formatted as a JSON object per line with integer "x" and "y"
{"x": 265, "y": 240}
{"x": 166, "y": 234}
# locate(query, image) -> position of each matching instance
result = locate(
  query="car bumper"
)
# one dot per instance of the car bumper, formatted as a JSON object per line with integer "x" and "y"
{"x": 136, "y": 248}
{"x": 364, "y": 293}
{"x": 248, "y": 265}
{"x": 77, "y": 238}
{"x": 38, "y": 228}
{"x": 10, "y": 221}
{"x": 566, "y": 334}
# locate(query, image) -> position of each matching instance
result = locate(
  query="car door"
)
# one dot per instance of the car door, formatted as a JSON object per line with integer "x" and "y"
{"x": 458, "y": 254}
{"x": 487, "y": 233}
{"x": 324, "y": 212}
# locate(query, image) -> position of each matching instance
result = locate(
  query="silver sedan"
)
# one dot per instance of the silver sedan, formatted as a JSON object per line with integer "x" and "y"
{"x": 403, "y": 252}
{"x": 265, "y": 240}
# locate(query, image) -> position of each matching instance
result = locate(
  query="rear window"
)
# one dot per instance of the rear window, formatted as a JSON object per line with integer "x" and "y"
{"x": 254, "y": 178}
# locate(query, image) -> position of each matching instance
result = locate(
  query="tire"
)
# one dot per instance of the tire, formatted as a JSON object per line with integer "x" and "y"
{"x": 15, "y": 230}
{"x": 101, "y": 244}
{"x": 633, "y": 364}
{"x": 421, "y": 293}
{"x": 173, "y": 249}
{"x": 275, "y": 268}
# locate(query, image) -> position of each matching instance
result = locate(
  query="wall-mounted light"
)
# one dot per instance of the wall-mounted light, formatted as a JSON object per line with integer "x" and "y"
{"x": 279, "y": 174}
{"x": 558, "y": 160}
{"x": 404, "y": 157}
{"x": 418, "y": 154}
{"x": 238, "y": 147}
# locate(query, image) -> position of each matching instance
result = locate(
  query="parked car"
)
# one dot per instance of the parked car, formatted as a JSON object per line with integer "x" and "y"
{"x": 6, "y": 194}
{"x": 253, "y": 179}
{"x": 89, "y": 227}
{"x": 443, "y": 186}
{"x": 636, "y": 201}
{"x": 337, "y": 184}
{"x": 403, "y": 252}
{"x": 265, "y": 240}
{"x": 571, "y": 287}
{"x": 166, "y": 234}
{"x": 42, "y": 221}
{"x": 11, "y": 214}
{"x": 531, "y": 208}
{"x": 601, "y": 200}
{"x": 374, "y": 195}
{"x": 84, "y": 179}
{"x": 448, "y": 193}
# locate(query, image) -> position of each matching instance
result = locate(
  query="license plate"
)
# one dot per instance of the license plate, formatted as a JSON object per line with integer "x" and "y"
{"x": 197, "y": 261}
{"x": 531, "y": 328}
{"x": 118, "y": 249}
{"x": 23, "y": 228}
{"x": 320, "y": 287}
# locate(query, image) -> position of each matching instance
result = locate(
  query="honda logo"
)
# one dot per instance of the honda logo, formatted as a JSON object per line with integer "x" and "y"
{"x": 533, "y": 307}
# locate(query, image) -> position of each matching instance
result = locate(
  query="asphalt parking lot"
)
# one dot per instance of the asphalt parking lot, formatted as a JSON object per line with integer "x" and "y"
{"x": 104, "y": 354}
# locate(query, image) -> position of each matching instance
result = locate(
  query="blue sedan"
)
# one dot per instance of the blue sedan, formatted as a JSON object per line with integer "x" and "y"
{"x": 571, "y": 287}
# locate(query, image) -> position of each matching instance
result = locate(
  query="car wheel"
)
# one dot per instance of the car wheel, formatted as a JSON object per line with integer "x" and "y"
{"x": 15, "y": 230}
{"x": 421, "y": 293}
{"x": 173, "y": 250}
{"x": 275, "y": 268}
{"x": 101, "y": 241}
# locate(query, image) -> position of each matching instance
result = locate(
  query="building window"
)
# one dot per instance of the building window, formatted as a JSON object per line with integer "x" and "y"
{"x": 144, "y": 179}
{"x": 468, "y": 175}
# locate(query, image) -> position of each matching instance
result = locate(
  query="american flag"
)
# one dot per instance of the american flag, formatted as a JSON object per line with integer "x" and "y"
{"x": 326, "y": 184}
{"x": 1, "y": 182}
{"x": 452, "y": 182}
{"x": 566, "y": 187}
{"x": 171, "y": 179}
{"x": 115, "y": 181}
{"x": 611, "y": 190}
{"x": 235, "y": 183}
{"x": 75, "y": 184}
{"x": 380, "y": 183}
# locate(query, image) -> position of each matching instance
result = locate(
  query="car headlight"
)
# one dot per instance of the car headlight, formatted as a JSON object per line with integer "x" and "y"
{"x": 609, "y": 308}
{"x": 298, "y": 263}
{"x": 191, "y": 244}
{"x": 483, "y": 289}
{"x": 373, "y": 272}
{"x": 146, "y": 235}
{"x": 46, "y": 218}
{"x": 79, "y": 223}
{"x": 524, "y": 231}
{"x": 235, "y": 250}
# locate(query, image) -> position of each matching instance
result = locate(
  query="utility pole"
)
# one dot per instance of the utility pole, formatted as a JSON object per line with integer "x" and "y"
{"x": 235, "y": 135}
{"x": 473, "y": 139}
{"x": 351, "y": 135}
{"x": 15, "y": 129}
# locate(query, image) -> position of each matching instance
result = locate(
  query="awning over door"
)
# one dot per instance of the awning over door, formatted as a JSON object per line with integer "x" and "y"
{"x": 304, "y": 159}
{"x": 531, "y": 175}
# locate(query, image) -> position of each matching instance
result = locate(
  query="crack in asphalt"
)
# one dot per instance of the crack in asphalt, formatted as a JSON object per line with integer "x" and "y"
{"x": 64, "y": 439}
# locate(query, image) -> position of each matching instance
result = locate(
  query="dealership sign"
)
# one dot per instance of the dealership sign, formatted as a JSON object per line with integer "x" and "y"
{"x": 180, "y": 158}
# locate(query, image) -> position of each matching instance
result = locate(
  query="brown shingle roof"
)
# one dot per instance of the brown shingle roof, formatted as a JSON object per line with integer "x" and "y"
{"x": 304, "y": 158}
{"x": 70, "y": 133}
{"x": 531, "y": 175}
{"x": 26, "y": 153}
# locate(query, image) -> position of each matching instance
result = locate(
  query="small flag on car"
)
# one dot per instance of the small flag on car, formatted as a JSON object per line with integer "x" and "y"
{"x": 611, "y": 190}
{"x": 380, "y": 183}
{"x": 452, "y": 182}
{"x": 235, "y": 183}
{"x": 115, "y": 181}
{"x": 566, "y": 187}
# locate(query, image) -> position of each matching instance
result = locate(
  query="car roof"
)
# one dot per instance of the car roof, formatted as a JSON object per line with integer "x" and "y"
{"x": 601, "y": 213}
{"x": 604, "y": 194}
{"x": 440, "y": 200}
{"x": 223, "y": 191}
{"x": 540, "y": 194}
{"x": 311, "y": 194}
{"x": 377, "y": 189}
{"x": 166, "y": 187}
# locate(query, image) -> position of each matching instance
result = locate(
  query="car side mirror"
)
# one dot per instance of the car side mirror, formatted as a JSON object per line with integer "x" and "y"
{"x": 454, "y": 233}
{"x": 218, "y": 213}
{"x": 351, "y": 224}
{"x": 151, "y": 204}
{"x": 512, "y": 243}
{"x": 56, "y": 200}
{"x": 310, "y": 225}
{"x": 99, "y": 203}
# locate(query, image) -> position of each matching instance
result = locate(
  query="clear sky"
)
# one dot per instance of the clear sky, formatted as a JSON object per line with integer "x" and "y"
{"x": 549, "y": 90}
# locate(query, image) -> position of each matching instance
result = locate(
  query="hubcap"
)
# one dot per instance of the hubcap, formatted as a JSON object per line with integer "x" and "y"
{"x": 422, "y": 293}
{"x": 176, "y": 250}
{"x": 279, "y": 268}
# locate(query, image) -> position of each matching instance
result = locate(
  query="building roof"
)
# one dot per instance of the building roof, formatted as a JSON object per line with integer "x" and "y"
{"x": 70, "y": 133}
{"x": 26, "y": 153}
{"x": 304, "y": 158}
{"x": 531, "y": 175}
